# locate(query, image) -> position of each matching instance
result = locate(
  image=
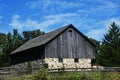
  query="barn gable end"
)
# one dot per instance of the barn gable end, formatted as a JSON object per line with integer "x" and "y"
{"x": 69, "y": 44}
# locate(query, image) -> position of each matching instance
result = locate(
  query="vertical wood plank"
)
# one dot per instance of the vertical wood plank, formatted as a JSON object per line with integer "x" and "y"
{"x": 68, "y": 46}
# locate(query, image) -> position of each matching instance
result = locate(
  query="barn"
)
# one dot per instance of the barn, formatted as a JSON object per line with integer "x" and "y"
{"x": 64, "y": 46}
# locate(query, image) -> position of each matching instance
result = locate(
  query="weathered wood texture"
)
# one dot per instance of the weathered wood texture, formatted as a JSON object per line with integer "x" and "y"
{"x": 69, "y": 44}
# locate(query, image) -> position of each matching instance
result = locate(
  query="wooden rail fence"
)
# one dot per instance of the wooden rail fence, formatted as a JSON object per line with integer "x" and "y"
{"x": 8, "y": 71}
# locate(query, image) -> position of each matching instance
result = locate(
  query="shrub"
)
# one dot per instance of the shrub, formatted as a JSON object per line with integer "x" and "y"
{"x": 29, "y": 68}
{"x": 41, "y": 75}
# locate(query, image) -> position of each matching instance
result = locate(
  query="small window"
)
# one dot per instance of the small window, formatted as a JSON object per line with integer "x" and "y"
{"x": 70, "y": 30}
{"x": 76, "y": 60}
{"x": 60, "y": 59}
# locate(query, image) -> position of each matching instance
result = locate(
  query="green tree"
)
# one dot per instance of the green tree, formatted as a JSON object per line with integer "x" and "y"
{"x": 17, "y": 39}
{"x": 2, "y": 42}
{"x": 110, "y": 49}
{"x": 2, "y": 46}
{"x": 10, "y": 42}
{"x": 28, "y": 35}
{"x": 5, "y": 44}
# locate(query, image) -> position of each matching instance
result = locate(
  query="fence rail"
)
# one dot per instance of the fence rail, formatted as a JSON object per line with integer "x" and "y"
{"x": 109, "y": 69}
{"x": 12, "y": 71}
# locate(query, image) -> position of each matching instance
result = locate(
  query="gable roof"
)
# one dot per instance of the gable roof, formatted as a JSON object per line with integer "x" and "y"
{"x": 43, "y": 39}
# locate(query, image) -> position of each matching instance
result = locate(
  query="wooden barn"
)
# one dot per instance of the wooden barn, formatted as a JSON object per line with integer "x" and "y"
{"x": 65, "y": 46}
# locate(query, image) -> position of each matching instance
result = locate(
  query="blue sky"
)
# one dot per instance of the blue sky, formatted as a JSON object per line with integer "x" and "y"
{"x": 91, "y": 17}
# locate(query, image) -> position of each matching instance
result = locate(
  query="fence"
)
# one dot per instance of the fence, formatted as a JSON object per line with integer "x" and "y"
{"x": 5, "y": 71}
{"x": 8, "y": 71}
{"x": 103, "y": 69}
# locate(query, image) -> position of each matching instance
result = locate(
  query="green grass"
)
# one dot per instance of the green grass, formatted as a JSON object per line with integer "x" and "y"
{"x": 63, "y": 75}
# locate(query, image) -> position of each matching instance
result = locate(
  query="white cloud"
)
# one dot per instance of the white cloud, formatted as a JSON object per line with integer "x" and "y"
{"x": 25, "y": 24}
{"x": 96, "y": 33}
{"x": 1, "y": 17}
{"x": 106, "y": 8}
{"x": 55, "y": 6}
{"x": 66, "y": 18}
{"x": 48, "y": 22}
{"x": 58, "y": 5}
{"x": 15, "y": 22}
{"x": 57, "y": 16}
{"x": 116, "y": 20}
{"x": 16, "y": 16}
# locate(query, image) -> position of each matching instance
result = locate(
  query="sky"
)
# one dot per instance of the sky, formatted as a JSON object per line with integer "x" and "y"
{"x": 91, "y": 17}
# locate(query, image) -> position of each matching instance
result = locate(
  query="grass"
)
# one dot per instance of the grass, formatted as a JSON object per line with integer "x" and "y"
{"x": 43, "y": 74}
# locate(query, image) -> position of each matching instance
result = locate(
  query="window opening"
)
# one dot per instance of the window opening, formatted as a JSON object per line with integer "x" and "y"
{"x": 60, "y": 59}
{"x": 70, "y": 31}
{"x": 76, "y": 60}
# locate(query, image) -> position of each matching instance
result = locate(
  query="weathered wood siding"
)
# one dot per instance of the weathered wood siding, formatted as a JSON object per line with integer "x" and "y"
{"x": 69, "y": 44}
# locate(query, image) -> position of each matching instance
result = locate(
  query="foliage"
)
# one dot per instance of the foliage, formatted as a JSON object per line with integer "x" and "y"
{"x": 110, "y": 49}
{"x": 28, "y": 35}
{"x": 43, "y": 74}
{"x": 2, "y": 42}
{"x": 11, "y": 41}
{"x": 62, "y": 69}
{"x": 29, "y": 68}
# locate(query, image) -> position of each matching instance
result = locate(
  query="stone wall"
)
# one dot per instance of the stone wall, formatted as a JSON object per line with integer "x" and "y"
{"x": 54, "y": 64}
{"x": 67, "y": 63}
{"x": 23, "y": 66}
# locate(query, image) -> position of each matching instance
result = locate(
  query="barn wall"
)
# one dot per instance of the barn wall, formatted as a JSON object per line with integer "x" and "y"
{"x": 67, "y": 63}
{"x": 69, "y": 44}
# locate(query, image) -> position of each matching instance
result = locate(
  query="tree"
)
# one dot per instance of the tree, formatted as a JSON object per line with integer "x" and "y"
{"x": 2, "y": 42}
{"x": 110, "y": 49}
{"x": 28, "y": 35}
{"x": 2, "y": 46}
{"x": 7, "y": 47}
{"x": 10, "y": 42}
{"x": 17, "y": 39}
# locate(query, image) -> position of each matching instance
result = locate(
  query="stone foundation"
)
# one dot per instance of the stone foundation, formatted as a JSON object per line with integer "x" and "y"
{"x": 67, "y": 63}
{"x": 54, "y": 64}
